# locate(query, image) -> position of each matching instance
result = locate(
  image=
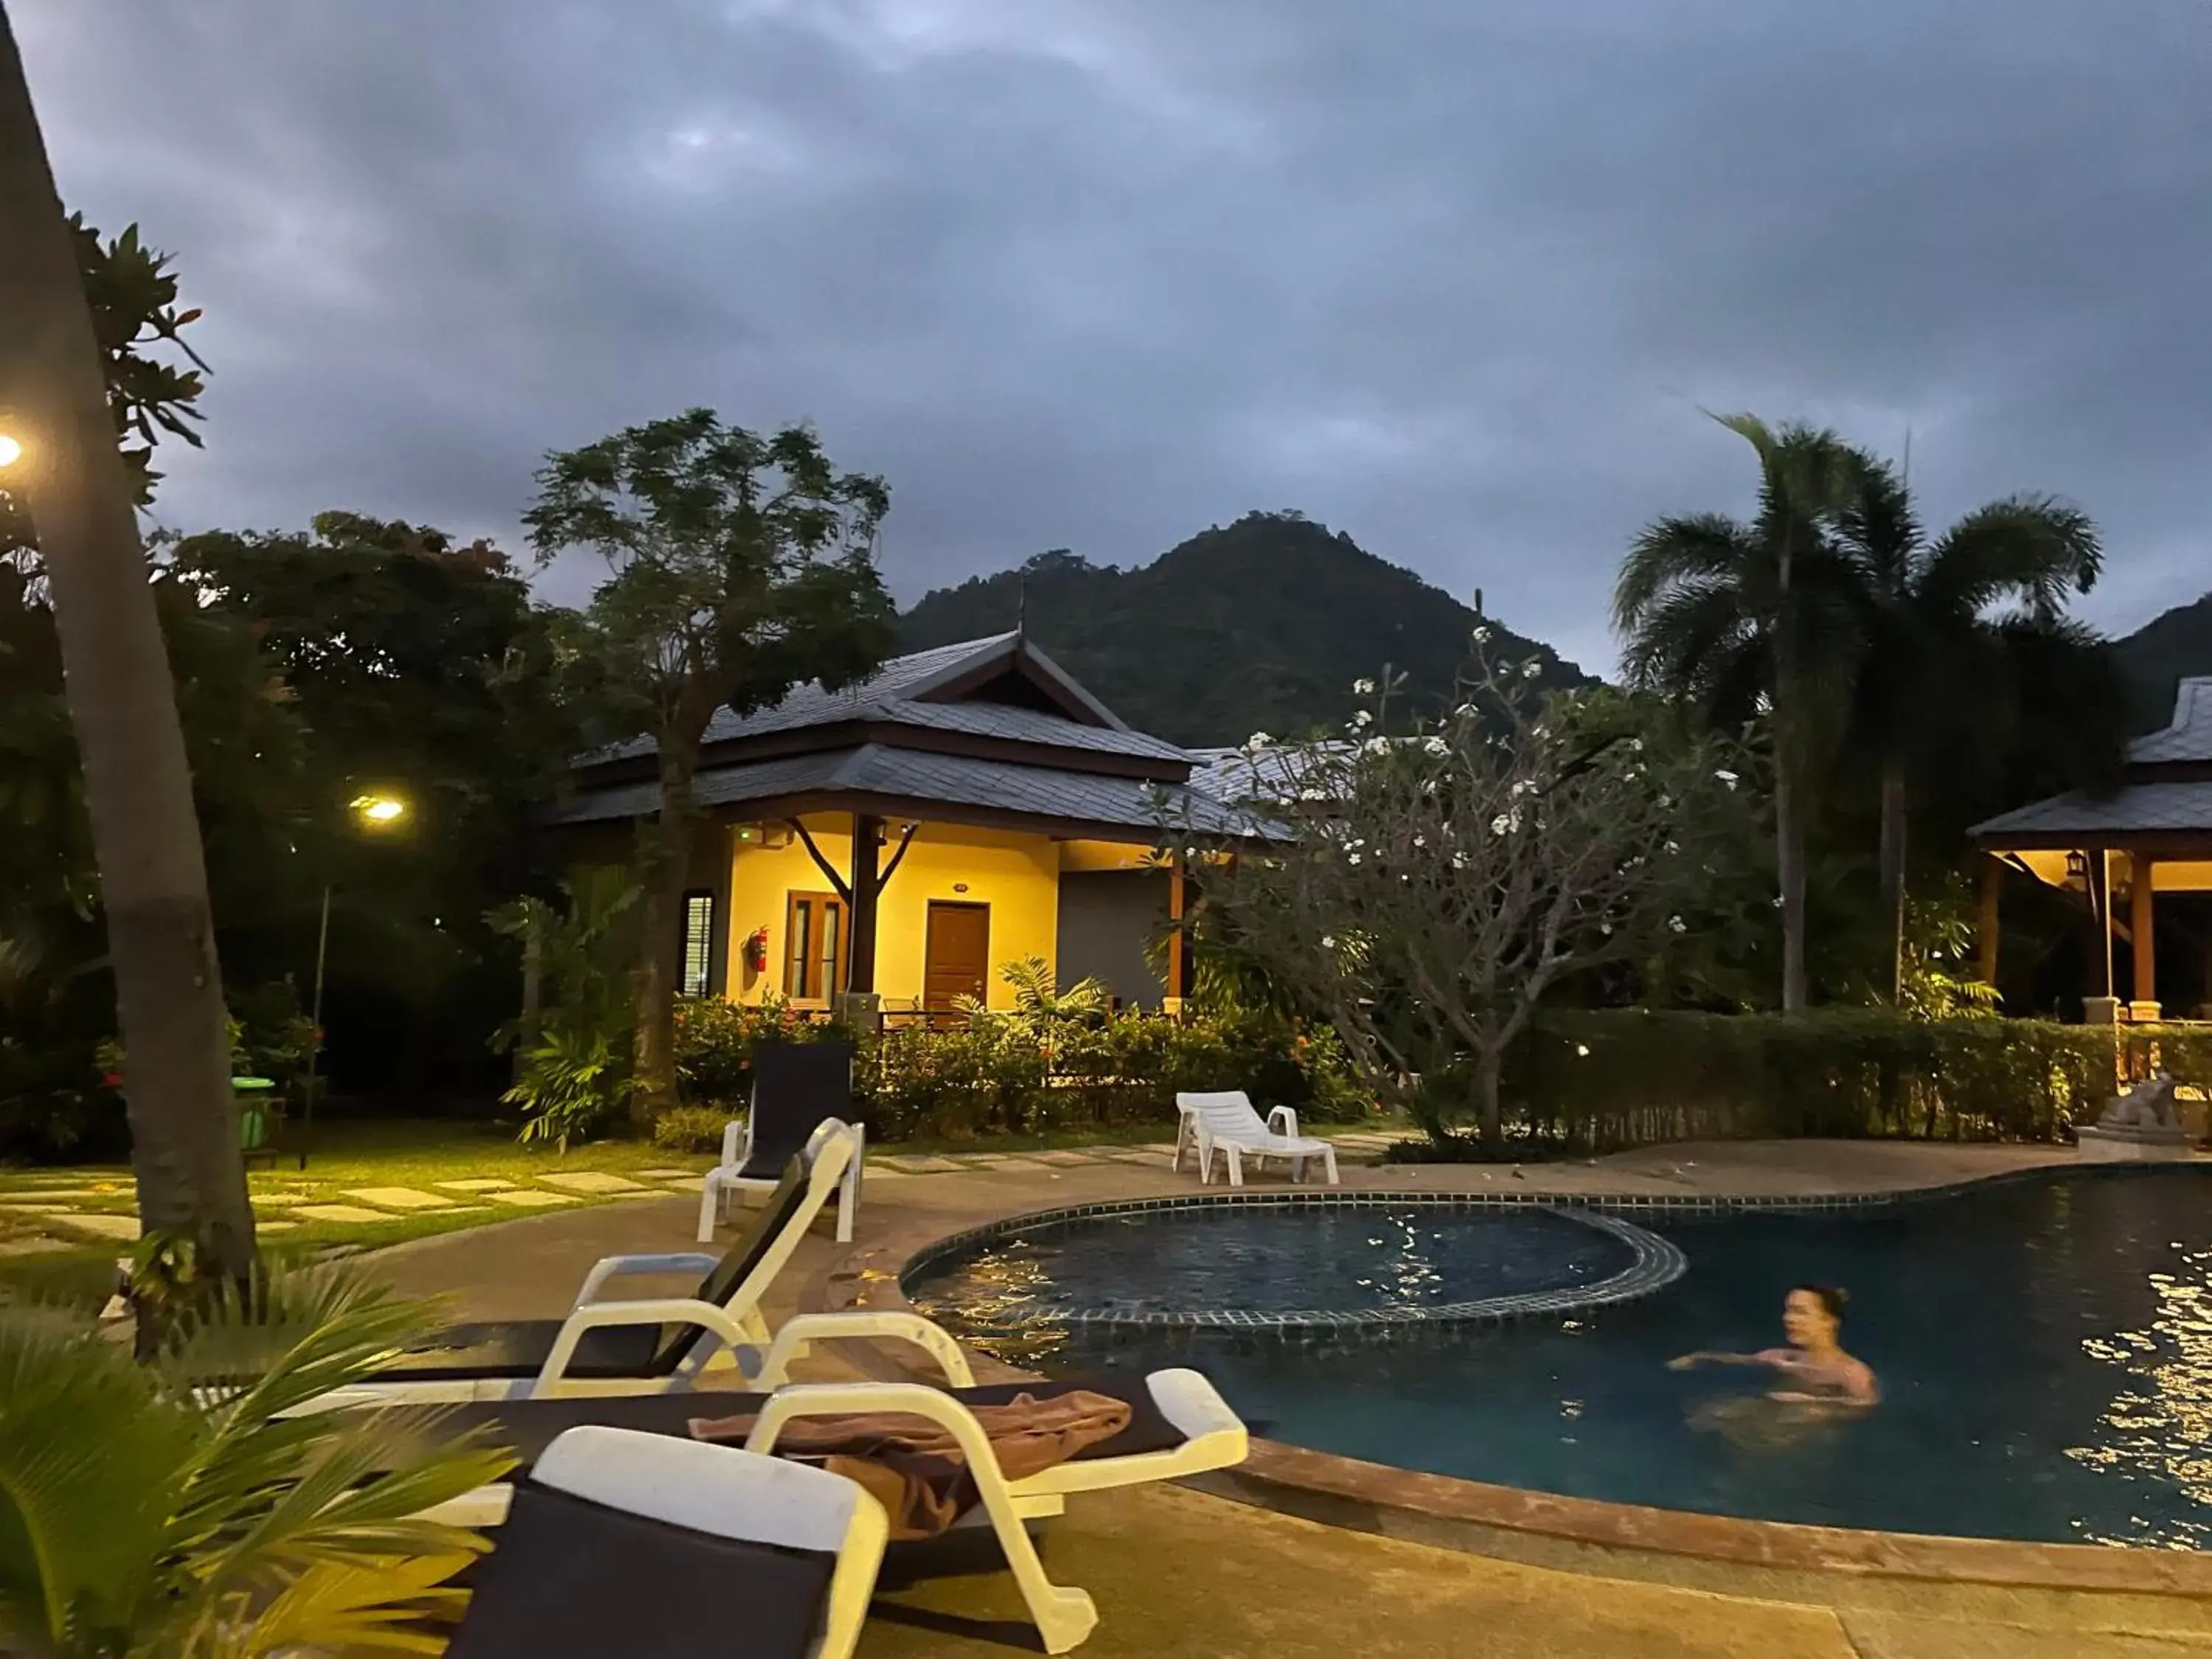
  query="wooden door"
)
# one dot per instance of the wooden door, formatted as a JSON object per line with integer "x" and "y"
{"x": 957, "y": 953}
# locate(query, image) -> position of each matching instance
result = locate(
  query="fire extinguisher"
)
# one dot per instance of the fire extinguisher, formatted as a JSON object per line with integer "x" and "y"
{"x": 756, "y": 949}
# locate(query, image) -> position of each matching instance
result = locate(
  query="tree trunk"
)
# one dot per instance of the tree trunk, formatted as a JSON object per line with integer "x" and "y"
{"x": 1790, "y": 867}
{"x": 660, "y": 964}
{"x": 1489, "y": 1064}
{"x": 1893, "y": 822}
{"x": 121, "y": 701}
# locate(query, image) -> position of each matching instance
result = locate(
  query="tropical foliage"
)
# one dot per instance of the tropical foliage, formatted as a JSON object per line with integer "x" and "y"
{"x": 1440, "y": 882}
{"x": 171, "y": 1510}
{"x": 739, "y": 566}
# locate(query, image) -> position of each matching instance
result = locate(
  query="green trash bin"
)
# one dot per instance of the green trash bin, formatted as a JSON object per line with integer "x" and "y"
{"x": 252, "y": 1114}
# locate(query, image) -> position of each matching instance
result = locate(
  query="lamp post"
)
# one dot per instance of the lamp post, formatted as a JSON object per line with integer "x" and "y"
{"x": 377, "y": 810}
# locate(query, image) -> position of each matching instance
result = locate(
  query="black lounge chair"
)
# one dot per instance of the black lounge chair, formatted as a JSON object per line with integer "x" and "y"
{"x": 640, "y": 1545}
{"x": 796, "y": 1087}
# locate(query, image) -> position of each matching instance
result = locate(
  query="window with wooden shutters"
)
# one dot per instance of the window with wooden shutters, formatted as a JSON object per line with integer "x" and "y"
{"x": 814, "y": 940}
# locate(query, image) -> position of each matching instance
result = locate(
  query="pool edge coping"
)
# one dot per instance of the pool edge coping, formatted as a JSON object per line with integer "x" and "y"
{"x": 1279, "y": 1476}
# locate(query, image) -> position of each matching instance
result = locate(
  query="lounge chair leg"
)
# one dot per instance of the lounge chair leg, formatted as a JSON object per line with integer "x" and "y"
{"x": 709, "y": 1209}
{"x": 1329, "y": 1158}
{"x": 1236, "y": 1165}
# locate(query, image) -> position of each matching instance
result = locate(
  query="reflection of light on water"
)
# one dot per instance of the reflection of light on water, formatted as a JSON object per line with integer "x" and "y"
{"x": 991, "y": 1300}
{"x": 2159, "y": 1427}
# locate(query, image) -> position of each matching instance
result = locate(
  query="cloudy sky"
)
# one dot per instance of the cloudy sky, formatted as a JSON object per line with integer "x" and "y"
{"x": 1454, "y": 276}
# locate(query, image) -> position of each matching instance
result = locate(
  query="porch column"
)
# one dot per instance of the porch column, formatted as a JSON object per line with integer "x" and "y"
{"x": 2102, "y": 1008}
{"x": 1992, "y": 891}
{"x": 1178, "y": 901}
{"x": 2144, "y": 1003}
{"x": 865, "y": 885}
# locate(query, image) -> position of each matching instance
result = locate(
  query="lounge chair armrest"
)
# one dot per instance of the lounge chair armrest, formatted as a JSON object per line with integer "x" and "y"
{"x": 792, "y": 1340}
{"x": 653, "y": 1310}
{"x": 620, "y": 1267}
{"x": 1284, "y": 1121}
{"x": 1188, "y": 1400}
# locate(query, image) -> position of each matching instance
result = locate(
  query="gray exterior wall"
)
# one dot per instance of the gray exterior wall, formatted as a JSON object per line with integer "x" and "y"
{"x": 1106, "y": 918}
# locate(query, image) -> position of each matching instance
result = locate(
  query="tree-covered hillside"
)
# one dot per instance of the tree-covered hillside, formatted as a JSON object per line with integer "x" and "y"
{"x": 1262, "y": 626}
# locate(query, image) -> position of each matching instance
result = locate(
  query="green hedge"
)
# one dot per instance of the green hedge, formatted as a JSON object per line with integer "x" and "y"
{"x": 1596, "y": 1082}
{"x": 1001, "y": 1074}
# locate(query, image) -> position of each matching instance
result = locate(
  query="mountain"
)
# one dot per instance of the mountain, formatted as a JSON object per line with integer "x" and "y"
{"x": 1260, "y": 627}
{"x": 2162, "y": 651}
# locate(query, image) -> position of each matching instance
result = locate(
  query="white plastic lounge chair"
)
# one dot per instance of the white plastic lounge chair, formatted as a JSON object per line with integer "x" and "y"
{"x": 649, "y": 1346}
{"x": 1227, "y": 1120}
{"x": 1179, "y": 1426}
{"x": 797, "y": 1086}
{"x": 647, "y": 1547}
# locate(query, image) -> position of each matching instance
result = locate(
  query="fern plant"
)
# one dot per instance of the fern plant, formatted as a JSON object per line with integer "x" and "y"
{"x": 170, "y": 1509}
{"x": 1041, "y": 1010}
{"x": 572, "y": 1082}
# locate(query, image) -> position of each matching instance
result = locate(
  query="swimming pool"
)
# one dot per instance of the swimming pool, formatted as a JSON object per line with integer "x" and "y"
{"x": 2044, "y": 1349}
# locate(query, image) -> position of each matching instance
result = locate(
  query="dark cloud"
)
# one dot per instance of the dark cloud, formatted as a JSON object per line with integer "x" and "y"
{"x": 1454, "y": 278}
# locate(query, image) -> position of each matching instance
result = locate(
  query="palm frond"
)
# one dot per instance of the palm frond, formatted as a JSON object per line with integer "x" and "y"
{"x": 1879, "y": 532}
{"x": 1686, "y": 636}
{"x": 2033, "y": 550}
{"x": 1671, "y": 551}
{"x": 377, "y": 1607}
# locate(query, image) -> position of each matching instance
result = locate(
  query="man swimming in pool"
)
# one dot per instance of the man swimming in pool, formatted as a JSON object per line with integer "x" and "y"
{"x": 1815, "y": 1368}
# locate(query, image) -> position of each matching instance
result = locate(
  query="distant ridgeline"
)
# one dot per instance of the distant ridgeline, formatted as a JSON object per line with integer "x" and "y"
{"x": 2162, "y": 652}
{"x": 1260, "y": 627}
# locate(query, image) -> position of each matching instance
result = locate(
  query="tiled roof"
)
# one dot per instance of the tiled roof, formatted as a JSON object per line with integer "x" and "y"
{"x": 893, "y": 695}
{"x": 1243, "y": 777}
{"x": 2189, "y": 737}
{"x": 2138, "y": 806}
{"x": 952, "y": 779}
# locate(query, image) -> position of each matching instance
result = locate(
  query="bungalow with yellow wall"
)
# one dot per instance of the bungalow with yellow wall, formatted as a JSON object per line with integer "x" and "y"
{"x": 905, "y": 839}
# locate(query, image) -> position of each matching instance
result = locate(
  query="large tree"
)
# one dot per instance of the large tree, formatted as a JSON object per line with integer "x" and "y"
{"x": 739, "y": 565}
{"x": 1435, "y": 886}
{"x": 1757, "y": 614}
{"x": 79, "y": 494}
{"x": 1946, "y": 625}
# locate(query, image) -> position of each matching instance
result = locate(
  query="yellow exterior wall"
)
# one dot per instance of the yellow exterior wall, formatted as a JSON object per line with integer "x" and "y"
{"x": 1017, "y": 875}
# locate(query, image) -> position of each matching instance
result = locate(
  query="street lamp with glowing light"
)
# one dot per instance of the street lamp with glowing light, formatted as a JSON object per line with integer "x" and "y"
{"x": 379, "y": 810}
{"x": 11, "y": 450}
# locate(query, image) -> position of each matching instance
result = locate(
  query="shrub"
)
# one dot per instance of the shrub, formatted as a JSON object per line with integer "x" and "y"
{"x": 691, "y": 1128}
{"x": 716, "y": 1040}
{"x": 1598, "y": 1081}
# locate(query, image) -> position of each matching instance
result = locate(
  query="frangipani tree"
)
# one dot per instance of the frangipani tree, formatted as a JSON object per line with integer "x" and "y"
{"x": 1437, "y": 884}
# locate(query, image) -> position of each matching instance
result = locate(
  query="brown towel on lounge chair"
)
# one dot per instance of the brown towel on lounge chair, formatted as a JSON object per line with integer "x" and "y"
{"x": 914, "y": 1467}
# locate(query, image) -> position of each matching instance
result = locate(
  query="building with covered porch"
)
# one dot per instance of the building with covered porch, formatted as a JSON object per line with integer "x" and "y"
{"x": 2139, "y": 858}
{"x": 905, "y": 839}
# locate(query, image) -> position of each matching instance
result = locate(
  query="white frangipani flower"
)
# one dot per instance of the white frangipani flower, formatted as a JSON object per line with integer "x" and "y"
{"x": 1436, "y": 746}
{"x": 1377, "y": 745}
{"x": 1258, "y": 740}
{"x": 1362, "y": 688}
{"x": 1531, "y": 668}
{"x": 1726, "y": 777}
{"x": 1482, "y": 636}
{"x": 1363, "y": 718}
{"x": 1678, "y": 925}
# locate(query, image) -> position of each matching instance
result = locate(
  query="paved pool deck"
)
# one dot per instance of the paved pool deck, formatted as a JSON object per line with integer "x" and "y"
{"x": 1177, "y": 1572}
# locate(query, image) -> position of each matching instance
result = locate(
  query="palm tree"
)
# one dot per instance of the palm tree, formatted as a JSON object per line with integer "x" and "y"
{"x": 122, "y": 702}
{"x": 1756, "y": 615}
{"x": 172, "y": 1510}
{"x": 1936, "y": 618}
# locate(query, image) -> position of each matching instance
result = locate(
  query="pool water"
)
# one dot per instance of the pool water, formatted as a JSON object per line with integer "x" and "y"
{"x": 2044, "y": 1350}
{"x": 1273, "y": 1261}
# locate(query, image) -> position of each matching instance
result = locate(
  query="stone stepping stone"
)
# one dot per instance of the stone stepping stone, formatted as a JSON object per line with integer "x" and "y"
{"x": 688, "y": 1183}
{"x": 282, "y": 1200}
{"x": 528, "y": 1199}
{"x": 36, "y": 1245}
{"x": 399, "y": 1198}
{"x": 100, "y": 1226}
{"x": 276, "y": 1226}
{"x": 1151, "y": 1157}
{"x": 43, "y": 1193}
{"x": 921, "y": 1165}
{"x": 584, "y": 1181}
{"x": 479, "y": 1186}
{"x": 1008, "y": 1161}
{"x": 1065, "y": 1158}
{"x": 17, "y": 1207}
{"x": 665, "y": 1174}
{"x": 346, "y": 1212}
